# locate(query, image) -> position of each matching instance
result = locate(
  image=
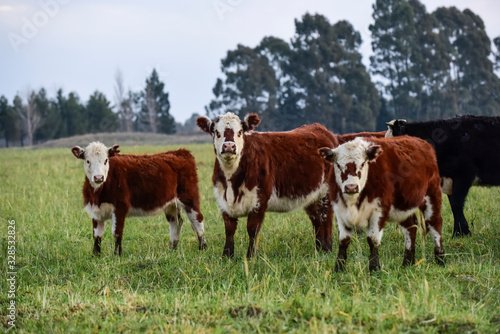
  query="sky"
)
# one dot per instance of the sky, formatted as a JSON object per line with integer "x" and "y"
{"x": 80, "y": 45}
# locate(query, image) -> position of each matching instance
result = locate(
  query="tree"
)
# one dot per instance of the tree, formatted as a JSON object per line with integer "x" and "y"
{"x": 29, "y": 115}
{"x": 318, "y": 78}
{"x": 496, "y": 41}
{"x": 73, "y": 114}
{"x": 124, "y": 104}
{"x": 99, "y": 114}
{"x": 395, "y": 45}
{"x": 471, "y": 80}
{"x": 9, "y": 122}
{"x": 154, "y": 115}
{"x": 51, "y": 119}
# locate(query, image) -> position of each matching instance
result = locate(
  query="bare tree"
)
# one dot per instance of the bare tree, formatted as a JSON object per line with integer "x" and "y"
{"x": 28, "y": 114}
{"x": 124, "y": 104}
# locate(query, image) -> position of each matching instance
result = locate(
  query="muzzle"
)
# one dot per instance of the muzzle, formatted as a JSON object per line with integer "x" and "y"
{"x": 351, "y": 189}
{"x": 229, "y": 147}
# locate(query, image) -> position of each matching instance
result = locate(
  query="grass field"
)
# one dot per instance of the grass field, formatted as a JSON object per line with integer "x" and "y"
{"x": 287, "y": 287}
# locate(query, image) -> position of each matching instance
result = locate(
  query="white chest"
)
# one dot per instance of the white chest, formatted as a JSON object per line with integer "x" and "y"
{"x": 100, "y": 212}
{"x": 357, "y": 216}
{"x": 236, "y": 203}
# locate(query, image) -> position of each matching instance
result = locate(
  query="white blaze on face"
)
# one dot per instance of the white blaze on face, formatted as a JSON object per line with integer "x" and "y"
{"x": 96, "y": 163}
{"x": 228, "y": 138}
{"x": 351, "y": 165}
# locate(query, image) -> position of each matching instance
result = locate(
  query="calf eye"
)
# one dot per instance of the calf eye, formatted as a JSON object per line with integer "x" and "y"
{"x": 88, "y": 162}
{"x": 217, "y": 133}
{"x": 106, "y": 161}
{"x": 239, "y": 133}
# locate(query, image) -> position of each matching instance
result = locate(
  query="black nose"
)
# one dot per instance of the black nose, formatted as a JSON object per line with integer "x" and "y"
{"x": 351, "y": 188}
{"x": 229, "y": 147}
{"x": 98, "y": 178}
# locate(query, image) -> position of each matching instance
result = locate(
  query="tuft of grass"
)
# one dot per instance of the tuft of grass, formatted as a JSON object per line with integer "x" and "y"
{"x": 287, "y": 287}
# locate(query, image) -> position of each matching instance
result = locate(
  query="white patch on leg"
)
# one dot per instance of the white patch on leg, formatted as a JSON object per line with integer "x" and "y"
{"x": 436, "y": 237}
{"x": 343, "y": 232}
{"x": 198, "y": 227}
{"x": 428, "y": 208}
{"x": 175, "y": 232}
{"x": 99, "y": 230}
{"x": 406, "y": 233}
{"x": 374, "y": 232}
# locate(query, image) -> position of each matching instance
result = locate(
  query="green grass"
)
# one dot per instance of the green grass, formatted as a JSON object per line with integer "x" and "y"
{"x": 288, "y": 287}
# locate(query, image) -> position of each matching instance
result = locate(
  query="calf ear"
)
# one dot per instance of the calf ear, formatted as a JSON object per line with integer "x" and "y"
{"x": 373, "y": 152}
{"x": 78, "y": 152}
{"x": 113, "y": 151}
{"x": 250, "y": 122}
{"x": 205, "y": 124}
{"x": 327, "y": 154}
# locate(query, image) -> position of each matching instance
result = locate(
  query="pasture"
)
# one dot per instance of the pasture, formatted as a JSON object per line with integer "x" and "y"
{"x": 287, "y": 287}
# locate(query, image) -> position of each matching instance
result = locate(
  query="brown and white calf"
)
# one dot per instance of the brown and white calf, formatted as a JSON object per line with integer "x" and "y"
{"x": 378, "y": 180}
{"x": 117, "y": 186}
{"x": 256, "y": 172}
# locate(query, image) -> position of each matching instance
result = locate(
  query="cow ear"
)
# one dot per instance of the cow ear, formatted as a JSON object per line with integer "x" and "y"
{"x": 250, "y": 122}
{"x": 390, "y": 124}
{"x": 205, "y": 124}
{"x": 328, "y": 154}
{"x": 78, "y": 152}
{"x": 113, "y": 151}
{"x": 373, "y": 152}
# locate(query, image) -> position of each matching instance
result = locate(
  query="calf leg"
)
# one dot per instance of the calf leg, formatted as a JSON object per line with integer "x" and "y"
{"x": 254, "y": 223}
{"x": 117, "y": 230}
{"x": 374, "y": 236}
{"x": 98, "y": 233}
{"x": 409, "y": 228}
{"x": 230, "y": 225}
{"x": 175, "y": 221}
{"x": 196, "y": 219}
{"x": 434, "y": 223}
{"x": 345, "y": 234}
{"x": 457, "y": 200}
{"x": 321, "y": 215}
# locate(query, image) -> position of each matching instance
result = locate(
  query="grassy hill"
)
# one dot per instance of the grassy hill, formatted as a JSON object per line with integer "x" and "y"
{"x": 126, "y": 139}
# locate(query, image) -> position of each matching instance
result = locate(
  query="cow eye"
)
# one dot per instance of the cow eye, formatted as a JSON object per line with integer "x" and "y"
{"x": 362, "y": 165}
{"x": 240, "y": 133}
{"x": 88, "y": 162}
{"x": 217, "y": 133}
{"x": 106, "y": 161}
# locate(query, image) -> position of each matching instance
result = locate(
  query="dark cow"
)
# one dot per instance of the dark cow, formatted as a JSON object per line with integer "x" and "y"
{"x": 256, "y": 172}
{"x": 117, "y": 186}
{"x": 378, "y": 180}
{"x": 467, "y": 153}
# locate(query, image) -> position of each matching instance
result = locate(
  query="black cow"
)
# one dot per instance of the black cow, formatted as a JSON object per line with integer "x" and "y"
{"x": 467, "y": 150}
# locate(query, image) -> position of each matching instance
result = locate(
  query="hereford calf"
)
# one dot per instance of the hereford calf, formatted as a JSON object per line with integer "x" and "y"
{"x": 117, "y": 186}
{"x": 257, "y": 172}
{"x": 378, "y": 180}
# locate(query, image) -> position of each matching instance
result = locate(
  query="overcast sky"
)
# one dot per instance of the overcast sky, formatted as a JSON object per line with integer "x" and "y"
{"x": 79, "y": 45}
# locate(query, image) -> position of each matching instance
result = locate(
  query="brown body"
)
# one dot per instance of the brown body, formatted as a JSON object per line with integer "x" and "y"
{"x": 268, "y": 177}
{"x": 402, "y": 176}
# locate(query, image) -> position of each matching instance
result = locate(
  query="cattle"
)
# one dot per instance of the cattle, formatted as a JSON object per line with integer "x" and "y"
{"x": 255, "y": 172}
{"x": 350, "y": 136}
{"x": 375, "y": 180}
{"x": 117, "y": 186}
{"x": 467, "y": 153}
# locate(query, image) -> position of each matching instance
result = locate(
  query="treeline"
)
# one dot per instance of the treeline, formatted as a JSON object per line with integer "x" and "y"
{"x": 35, "y": 118}
{"x": 424, "y": 66}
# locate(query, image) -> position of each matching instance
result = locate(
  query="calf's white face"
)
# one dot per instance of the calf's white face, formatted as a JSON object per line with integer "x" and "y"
{"x": 96, "y": 161}
{"x": 228, "y": 134}
{"x": 351, "y": 163}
